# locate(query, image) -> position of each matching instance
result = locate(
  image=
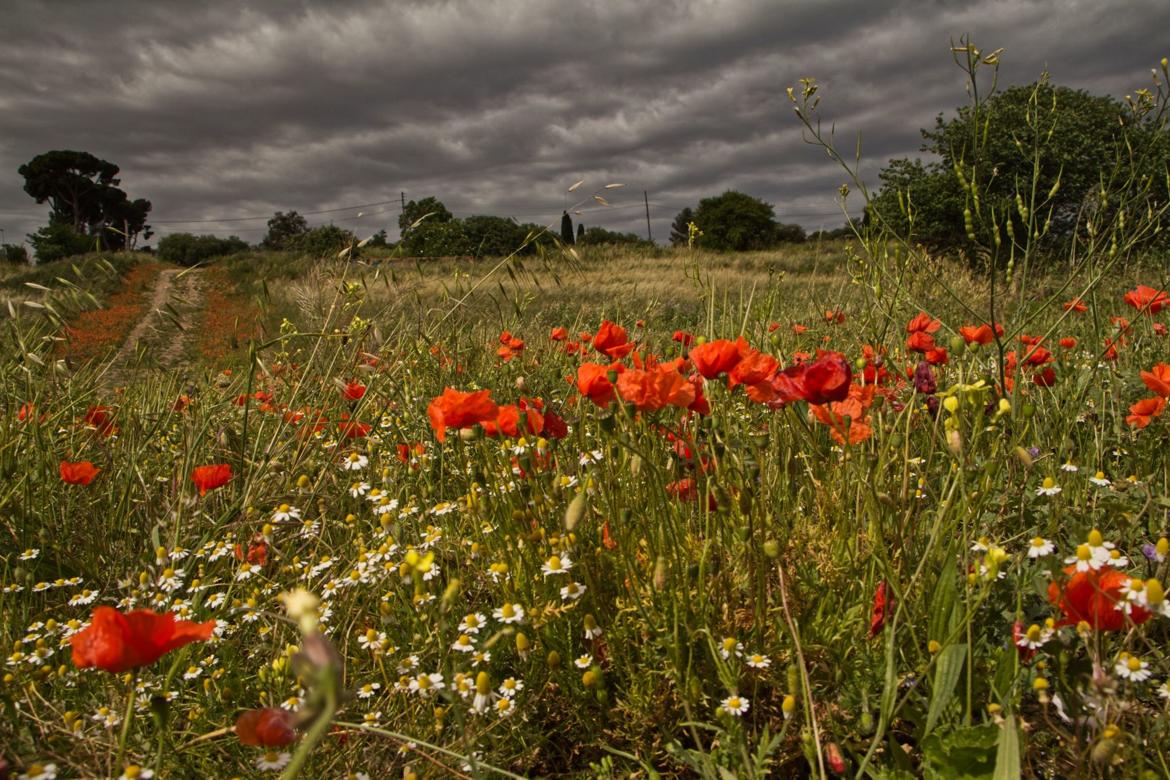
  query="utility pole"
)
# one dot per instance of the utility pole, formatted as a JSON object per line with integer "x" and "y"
{"x": 404, "y": 201}
{"x": 646, "y": 200}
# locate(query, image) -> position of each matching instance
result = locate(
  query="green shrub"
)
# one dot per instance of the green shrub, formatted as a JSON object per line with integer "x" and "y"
{"x": 187, "y": 249}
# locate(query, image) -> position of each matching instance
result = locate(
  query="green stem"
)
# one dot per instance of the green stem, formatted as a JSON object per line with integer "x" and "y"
{"x": 316, "y": 733}
{"x": 126, "y": 725}
{"x": 415, "y": 741}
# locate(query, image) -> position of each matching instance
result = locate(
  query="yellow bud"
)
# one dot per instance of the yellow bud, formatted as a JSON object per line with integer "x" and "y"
{"x": 303, "y": 481}
{"x": 788, "y": 706}
{"x": 933, "y": 646}
{"x": 1095, "y": 538}
{"x": 994, "y": 708}
{"x": 1040, "y": 684}
{"x": 522, "y": 643}
{"x": 951, "y": 404}
{"x": 1155, "y": 595}
{"x": 483, "y": 683}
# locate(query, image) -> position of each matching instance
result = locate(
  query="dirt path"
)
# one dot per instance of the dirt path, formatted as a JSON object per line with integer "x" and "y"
{"x": 159, "y": 338}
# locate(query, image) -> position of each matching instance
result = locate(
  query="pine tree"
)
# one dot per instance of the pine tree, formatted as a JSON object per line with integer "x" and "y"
{"x": 567, "y": 229}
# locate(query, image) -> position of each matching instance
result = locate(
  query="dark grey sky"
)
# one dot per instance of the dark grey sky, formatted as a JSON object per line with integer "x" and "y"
{"x": 226, "y": 109}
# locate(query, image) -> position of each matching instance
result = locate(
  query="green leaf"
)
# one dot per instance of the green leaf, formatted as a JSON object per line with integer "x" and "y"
{"x": 964, "y": 753}
{"x": 946, "y": 676}
{"x": 942, "y": 606}
{"x": 1007, "y": 753}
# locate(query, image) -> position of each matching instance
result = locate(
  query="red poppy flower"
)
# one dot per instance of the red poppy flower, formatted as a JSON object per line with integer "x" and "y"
{"x": 1144, "y": 411}
{"x": 883, "y": 606}
{"x": 835, "y": 317}
{"x": 1147, "y": 299}
{"x": 267, "y": 727}
{"x": 593, "y": 382}
{"x": 1093, "y": 596}
{"x": 119, "y": 642}
{"x": 920, "y": 341}
{"x": 752, "y": 369}
{"x": 80, "y": 473}
{"x": 655, "y": 387}
{"x": 456, "y": 409}
{"x": 354, "y": 391}
{"x": 1068, "y": 343}
{"x": 210, "y": 477}
{"x": 1076, "y": 304}
{"x": 980, "y": 334}
{"x": 611, "y": 340}
{"x": 101, "y": 418}
{"x": 827, "y": 379}
{"x": 559, "y": 333}
{"x": 554, "y": 425}
{"x": 1158, "y": 379}
{"x": 718, "y": 356}
{"x": 354, "y": 430}
{"x": 682, "y": 337}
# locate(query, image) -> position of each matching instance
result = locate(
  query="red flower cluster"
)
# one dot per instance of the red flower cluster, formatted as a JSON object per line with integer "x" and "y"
{"x": 510, "y": 346}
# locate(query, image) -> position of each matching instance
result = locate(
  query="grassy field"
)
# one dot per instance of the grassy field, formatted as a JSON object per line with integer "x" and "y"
{"x": 638, "y": 548}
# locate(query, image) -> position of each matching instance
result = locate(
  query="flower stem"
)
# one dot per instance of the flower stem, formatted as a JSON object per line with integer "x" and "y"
{"x": 126, "y": 725}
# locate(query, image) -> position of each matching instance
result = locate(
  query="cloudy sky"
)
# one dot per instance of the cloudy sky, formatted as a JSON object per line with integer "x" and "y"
{"x": 220, "y": 111}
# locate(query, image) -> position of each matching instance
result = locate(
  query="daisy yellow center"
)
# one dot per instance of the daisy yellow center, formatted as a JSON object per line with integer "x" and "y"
{"x": 554, "y": 563}
{"x": 508, "y": 611}
{"x": 1037, "y": 542}
{"x": 1084, "y": 553}
{"x": 424, "y": 681}
{"x": 464, "y": 640}
{"x": 1049, "y": 483}
{"x": 733, "y": 703}
{"x": 282, "y": 508}
{"x": 1133, "y": 663}
{"x": 1095, "y": 538}
{"x": 1099, "y": 475}
{"x": 1033, "y": 633}
{"x": 168, "y": 573}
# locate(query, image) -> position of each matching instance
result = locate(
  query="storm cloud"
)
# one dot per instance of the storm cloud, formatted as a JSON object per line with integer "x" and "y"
{"x": 227, "y": 112}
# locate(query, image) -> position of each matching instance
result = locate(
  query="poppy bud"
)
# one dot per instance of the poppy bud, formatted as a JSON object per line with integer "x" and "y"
{"x": 924, "y": 381}
{"x": 834, "y": 758}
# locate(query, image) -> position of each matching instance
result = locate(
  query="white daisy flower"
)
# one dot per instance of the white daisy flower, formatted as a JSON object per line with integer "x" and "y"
{"x": 735, "y": 705}
{"x": 272, "y": 761}
{"x": 583, "y": 661}
{"x": 556, "y": 564}
{"x": 1100, "y": 479}
{"x": 1130, "y": 667}
{"x": 1039, "y": 547}
{"x": 355, "y": 461}
{"x": 510, "y": 687}
{"x": 509, "y": 613}
{"x": 1048, "y": 487}
{"x": 285, "y": 512}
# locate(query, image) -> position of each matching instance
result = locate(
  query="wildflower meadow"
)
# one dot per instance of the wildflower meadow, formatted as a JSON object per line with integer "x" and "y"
{"x": 864, "y": 509}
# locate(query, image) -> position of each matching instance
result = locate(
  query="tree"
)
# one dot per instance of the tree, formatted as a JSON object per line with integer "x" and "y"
{"x": 58, "y": 240}
{"x": 1024, "y": 139}
{"x": 596, "y": 236}
{"x": 494, "y": 236}
{"x": 187, "y": 249}
{"x": 283, "y": 229}
{"x": 580, "y": 231}
{"x": 324, "y": 241}
{"x": 429, "y": 209}
{"x": 920, "y": 201}
{"x": 566, "y": 228}
{"x": 735, "y": 222}
{"x": 679, "y": 231}
{"x": 83, "y": 194}
{"x": 437, "y": 239}
{"x": 73, "y": 183}
{"x": 13, "y": 253}
{"x": 378, "y": 239}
